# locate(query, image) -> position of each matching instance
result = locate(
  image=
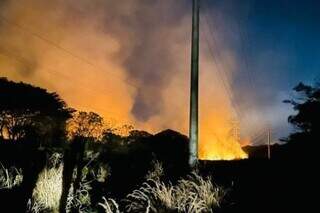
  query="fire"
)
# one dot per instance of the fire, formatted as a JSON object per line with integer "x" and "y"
{"x": 100, "y": 85}
{"x": 220, "y": 145}
{"x": 219, "y": 134}
{"x": 215, "y": 148}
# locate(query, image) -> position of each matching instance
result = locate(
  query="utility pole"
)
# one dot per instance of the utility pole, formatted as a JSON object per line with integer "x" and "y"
{"x": 269, "y": 143}
{"x": 194, "y": 87}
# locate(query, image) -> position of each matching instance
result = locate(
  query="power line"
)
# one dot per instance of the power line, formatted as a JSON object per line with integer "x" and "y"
{"x": 245, "y": 56}
{"x": 244, "y": 38}
{"x": 225, "y": 84}
{"x": 59, "y": 47}
{"x": 259, "y": 135}
{"x": 55, "y": 73}
{"x": 24, "y": 61}
{"x": 220, "y": 73}
{"x": 234, "y": 103}
{"x": 243, "y": 35}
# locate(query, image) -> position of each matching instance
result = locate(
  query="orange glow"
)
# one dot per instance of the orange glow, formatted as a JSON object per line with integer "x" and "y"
{"x": 217, "y": 138}
{"x": 99, "y": 85}
{"x": 216, "y": 148}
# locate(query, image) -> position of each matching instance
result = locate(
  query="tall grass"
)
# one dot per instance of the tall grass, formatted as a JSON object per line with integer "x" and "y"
{"x": 47, "y": 192}
{"x": 198, "y": 194}
{"x": 79, "y": 199}
{"x": 10, "y": 178}
{"x": 156, "y": 172}
{"x": 193, "y": 195}
{"x": 109, "y": 205}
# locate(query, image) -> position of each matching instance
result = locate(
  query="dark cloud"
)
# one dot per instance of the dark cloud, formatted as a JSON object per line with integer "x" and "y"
{"x": 146, "y": 29}
{"x": 149, "y": 58}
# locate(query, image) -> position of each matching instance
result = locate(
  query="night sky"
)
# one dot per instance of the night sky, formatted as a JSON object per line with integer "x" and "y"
{"x": 131, "y": 59}
{"x": 277, "y": 45}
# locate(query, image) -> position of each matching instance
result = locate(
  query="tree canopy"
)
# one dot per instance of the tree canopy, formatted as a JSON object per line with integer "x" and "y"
{"x": 307, "y": 119}
{"x": 86, "y": 125}
{"x": 26, "y": 109}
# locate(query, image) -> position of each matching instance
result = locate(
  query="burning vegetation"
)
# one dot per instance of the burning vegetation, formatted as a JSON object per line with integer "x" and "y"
{"x": 215, "y": 149}
{"x": 220, "y": 145}
{"x": 117, "y": 82}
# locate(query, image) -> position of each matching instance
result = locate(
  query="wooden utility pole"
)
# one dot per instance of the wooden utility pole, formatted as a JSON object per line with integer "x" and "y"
{"x": 194, "y": 87}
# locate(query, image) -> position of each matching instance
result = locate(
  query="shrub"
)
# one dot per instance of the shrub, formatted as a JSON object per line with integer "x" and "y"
{"x": 198, "y": 194}
{"x": 80, "y": 199}
{"x": 194, "y": 194}
{"x": 10, "y": 178}
{"x": 48, "y": 190}
{"x": 47, "y": 193}
{"x": 109, "y": 206}
{"x": 156, "y": 172}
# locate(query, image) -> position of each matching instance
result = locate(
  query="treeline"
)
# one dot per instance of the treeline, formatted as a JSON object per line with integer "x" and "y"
{"x": 35, "y": 123}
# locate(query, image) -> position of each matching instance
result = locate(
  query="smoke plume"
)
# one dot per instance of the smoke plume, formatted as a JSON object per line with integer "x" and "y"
{"x": 127, "y": 60}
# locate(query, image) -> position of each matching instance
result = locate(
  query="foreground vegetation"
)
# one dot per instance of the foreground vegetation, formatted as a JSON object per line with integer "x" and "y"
{"x": 191, "y": 194}
{"x": 56, "y": 159}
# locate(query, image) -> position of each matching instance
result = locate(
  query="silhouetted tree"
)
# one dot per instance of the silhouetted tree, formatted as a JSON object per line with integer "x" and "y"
{"x": 123, "y": 130}
{"x": 31, "y": 111}
{"x": 85, "y": 125}
{"x": 307, "y": 119}
{"x": 31, "y": 114}
{"x": 82, "y": 128}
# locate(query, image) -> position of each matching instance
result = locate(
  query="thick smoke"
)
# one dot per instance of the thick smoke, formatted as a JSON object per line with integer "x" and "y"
{"x": 150, "y": 62}
{"x": 128, "y": 60}
{"x": 145, "y": 30}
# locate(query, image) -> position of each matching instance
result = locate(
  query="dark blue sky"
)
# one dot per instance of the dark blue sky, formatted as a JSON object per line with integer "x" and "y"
{"x": 276, "y": 44}
{"x": 272, "y": 28}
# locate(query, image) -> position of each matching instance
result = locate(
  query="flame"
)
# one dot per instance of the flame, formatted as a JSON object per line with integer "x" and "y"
{"x": 226, "y": 149}
{"x": 219, "y": 126}
{"x": 101, "y": 88}
{"x": 218, "y": 140}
